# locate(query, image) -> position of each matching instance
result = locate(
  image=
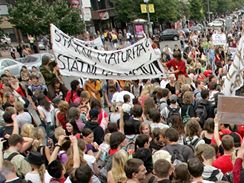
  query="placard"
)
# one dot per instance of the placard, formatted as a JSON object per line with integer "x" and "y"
{"x": 231, "y": 109}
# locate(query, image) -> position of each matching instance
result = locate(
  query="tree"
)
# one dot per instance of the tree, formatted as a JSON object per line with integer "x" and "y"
{"x": 196, "y": 8}
{"x": 34, "y": 17}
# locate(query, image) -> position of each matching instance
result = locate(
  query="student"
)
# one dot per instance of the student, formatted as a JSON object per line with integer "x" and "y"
{"x": 180, "y": 153}
{"x": 135, "y": 170}
{"x": 163, "y": 169}
{"x": 12, "y": 154}
{"x": 195, "y": 168}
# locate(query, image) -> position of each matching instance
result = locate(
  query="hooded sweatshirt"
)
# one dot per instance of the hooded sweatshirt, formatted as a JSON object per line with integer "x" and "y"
{"x": 97, "y": 130}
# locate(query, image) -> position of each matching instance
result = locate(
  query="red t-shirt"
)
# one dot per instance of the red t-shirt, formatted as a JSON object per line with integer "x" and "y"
{"x": 207, "y": 73}
{"x": 224, "y": 163}
{"x": 177, "y": 65}
{"x": 70, "y": 98}
{"x": 62, "y": 119}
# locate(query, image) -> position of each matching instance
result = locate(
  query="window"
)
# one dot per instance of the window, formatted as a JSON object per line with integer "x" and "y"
{"x": 10, "y": 62}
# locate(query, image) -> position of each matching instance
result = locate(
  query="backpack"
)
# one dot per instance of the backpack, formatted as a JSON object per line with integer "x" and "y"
{"x": 201, "y": 112}
{"x": 177, "y": 157}
{"x": 192, "y": 144}
{"x": 186, "y": 117}
{"x": 173, "y": 113}
{"x": 130, "y": 147}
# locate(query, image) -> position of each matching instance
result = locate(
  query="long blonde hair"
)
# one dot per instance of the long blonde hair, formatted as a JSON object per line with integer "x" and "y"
{"x": 41, "y": 171}
{"x": 118, "y": 163}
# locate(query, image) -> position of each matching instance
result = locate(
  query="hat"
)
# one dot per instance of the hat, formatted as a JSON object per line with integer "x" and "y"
{"x": 173, "y": 98}
{"x": 56, "y": 100}
{"x": 94, "y": 113}
{"x": 45, "y": 59}
{"x": 35, "y": 158}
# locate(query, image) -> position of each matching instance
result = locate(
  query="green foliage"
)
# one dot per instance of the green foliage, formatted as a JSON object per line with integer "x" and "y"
{"x": 34, "y": 17}
{"x": 196, "y": 8}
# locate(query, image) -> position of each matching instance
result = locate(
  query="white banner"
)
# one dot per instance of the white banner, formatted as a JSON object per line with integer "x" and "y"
{"x": 235, "y": 76}
{"x": 137, "y": 61}
{"x": 219, "y": 39}
{"x": 96, "y": 43}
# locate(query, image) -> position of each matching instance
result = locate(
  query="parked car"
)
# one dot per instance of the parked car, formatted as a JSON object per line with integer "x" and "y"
{"x": 197, "y": 28}
{"x": 34, "y": 59}
{"x": 217, "y": 23}
{"x": 169, "y": 34}
{"x": 9, "y": 64}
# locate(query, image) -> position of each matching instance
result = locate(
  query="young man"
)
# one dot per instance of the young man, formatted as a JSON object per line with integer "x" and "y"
{"x": 180, "y": 153}
{"x": 12, "y": 154}
{"x": 172, "y": 108}
{"x": 210, "y": 173}
{"x": 135, "y": 170}
{"x": 163, "y": 169}
{"x": 94, "y": 126}
{"x": 224, "y": 162}
{"x": 195, "y": 168}
{"x": 178, "y": 65}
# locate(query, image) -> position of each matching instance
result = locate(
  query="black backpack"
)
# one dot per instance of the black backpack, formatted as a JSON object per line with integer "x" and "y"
{"x": 201, "y": 113}
{"x": 173, "y": 112}
{"x": 193, "y": 143}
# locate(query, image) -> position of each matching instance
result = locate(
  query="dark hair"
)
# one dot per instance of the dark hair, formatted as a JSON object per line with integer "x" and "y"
{"x": 162, "y": 168}
{"x": 82, "y": 174}
{"x": 172, "y": 134}
{"x": 86, "y": 131}
{"x": 126, "y": 98}
{"x": 14, "y": 139}
{"x": 141, "y": 140}
{"x": 7, "y": 116}
{"x": 212, "y": 85}
{"x": 112, "y": 127}
{"x": 209, "y": 125}
{"x": 55, "y": 169}
{"x": 75, "y": 127}
{"x": 149, "y": 104}
{"x": 195, "y": 167}
{"x": 205, "y": 94}
{"x": 45, "y": 103}
{"x": 73, "y": 113}
{"x": 94, "y": 103}
{"x": 116, "y": 139}
{"x": 74, "y": 84}
{"x": 154, "y": 115}
{"x": 132, "y": 166}
{"x": 137, "y": 111}
{"x": 177, "y": 54}
{"x": 181, "y": 174}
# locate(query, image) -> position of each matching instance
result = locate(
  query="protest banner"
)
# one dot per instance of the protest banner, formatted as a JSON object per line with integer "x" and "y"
{"x": 235, "y": 76}
{"x": 96, "y": 43}
{"x": 219, "y": 39}
{"x": 137, "y": 61}
{"x": 230, "y": 109}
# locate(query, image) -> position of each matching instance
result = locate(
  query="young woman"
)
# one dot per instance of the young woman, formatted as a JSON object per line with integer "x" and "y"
{"x": 117, "y": 173}
{"x": 208, "y": 130}
{"x": 61, "y": 115}
{"x": 88, "y": 136}
{"x": 38, "y": 168}
{"x": 72, "y": 94}
{"x": 72, "y": 129}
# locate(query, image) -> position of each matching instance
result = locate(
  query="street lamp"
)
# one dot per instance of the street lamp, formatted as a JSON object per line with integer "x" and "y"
{"x": 148, "y": 18}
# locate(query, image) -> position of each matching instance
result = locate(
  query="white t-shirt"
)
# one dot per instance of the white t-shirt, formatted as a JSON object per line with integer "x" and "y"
{"x": 33, "y": 177}
{"x": 158, "y": 125}
{"x": 48, "y": 114}
{"x": 90, "y": 161}
{"x": 23, "y": 118}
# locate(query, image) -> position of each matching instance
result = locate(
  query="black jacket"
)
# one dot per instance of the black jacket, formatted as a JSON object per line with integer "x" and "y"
{"x": 97, "y": 130}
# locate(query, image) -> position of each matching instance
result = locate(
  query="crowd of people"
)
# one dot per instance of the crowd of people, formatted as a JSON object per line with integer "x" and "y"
{"x": 142, "y": 131}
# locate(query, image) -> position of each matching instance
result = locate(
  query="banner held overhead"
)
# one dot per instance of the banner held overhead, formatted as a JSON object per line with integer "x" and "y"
{"x": 75, "y": 58}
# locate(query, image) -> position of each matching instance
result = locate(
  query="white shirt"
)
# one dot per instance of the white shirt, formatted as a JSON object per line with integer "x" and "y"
{"x": 163, "y": 83}
{"x": 90, "y": 161}
{"x": 33, "y": 177}
{"x": 119, "y": 97}
{"x": 158, "y": 125}
{"x": 23, "y": 118}
{"x": 48, "y": 114}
